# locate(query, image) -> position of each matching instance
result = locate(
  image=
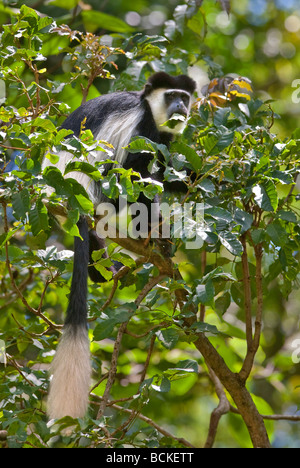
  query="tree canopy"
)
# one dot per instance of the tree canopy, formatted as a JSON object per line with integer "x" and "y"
{"x": 203, "y": 350}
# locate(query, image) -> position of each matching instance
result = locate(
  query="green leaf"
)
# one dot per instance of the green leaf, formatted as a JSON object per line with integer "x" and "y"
{"x": 217, "y": 274}
{"x": 196, "y": 23}
{"x": 207, "y": 186}
{"x": 174, "y": 120}
{"x": 229, "y": 240}
{"x": 180, "y": 16}
{"x": 38, "y": 218}
{"x": 56, "y": 259}
{"x": 168, "y": 337}
{"x": 95, "y": 19}
{"x": 283, "y": 177}
{"x": 210, "y": 144}
{"x": 287, "y": 216}
{"x": 111, "y": 187}
{"x": 219, "y": 213}
{"x": 27, "y": 11}
{"x": 102, "y": 266}
{"x": 46, "y": 124}
{"x": 223, "y": 302}
{"x": 70, "y": 224}
{"x": 82, "y": 201}
{"x": 162, "y": 385}
{"x": 221, "y": 116}
{"x": 67, "y": 4}
{"x": 188, "y": 365}
{"x": 85, "y": 168}
{"x": 190, "y": 154}
{"x": 77, "y": 196}
{"x": 21, "y": 203}
{"x": 277, "y": 233}
{"x": 14, "y": 253}
{"x": 104, "y": 329}
{"x": 202, "y": 327}
{"x": 204, "y": 293}
{"x": 139, "y": 145}
{"x": 265, "y": 195}
{"x": 258, "y": 235}
{"x": 105, "y": 326}
{"x": 244, "y": 219}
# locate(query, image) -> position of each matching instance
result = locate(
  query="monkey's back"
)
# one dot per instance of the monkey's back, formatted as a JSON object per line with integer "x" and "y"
{"x": 98, "y": 110}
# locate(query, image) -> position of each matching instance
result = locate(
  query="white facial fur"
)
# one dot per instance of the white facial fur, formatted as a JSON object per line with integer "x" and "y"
{"x": 157, "y": 104}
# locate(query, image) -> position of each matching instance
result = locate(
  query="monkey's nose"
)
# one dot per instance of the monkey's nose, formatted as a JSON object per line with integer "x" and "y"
{"x": 181, "y": 110}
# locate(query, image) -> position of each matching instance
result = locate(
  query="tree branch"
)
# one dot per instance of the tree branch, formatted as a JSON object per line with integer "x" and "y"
{"x": 222, "y": 408}
{"x": 151, "y": 423}
{"x": 252, "y": 350}
{"x": 231, "y": 381}
{"x": 247, "y": 293}
{"x": 113, "y": 370}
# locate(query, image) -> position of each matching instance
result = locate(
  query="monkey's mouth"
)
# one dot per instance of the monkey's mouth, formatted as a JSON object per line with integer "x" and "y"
{"x": 175, "y": 119}
{"x": 178, "y": 113}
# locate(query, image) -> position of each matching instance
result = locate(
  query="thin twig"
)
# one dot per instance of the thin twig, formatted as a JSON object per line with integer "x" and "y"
{"x": 104, "y": 376}
{"x": 203, "y": 266}
{"x": 147, "y": 362}
{"x": 272, "y": 417}
{"x": 14, "y": 285}
{"x": 116, "y": 350}
{"x": 222, "y": 408}
{"x": 113, "y": 369}
{"x": 151, "y": 423}
{"x": 158, "y": 325}
{"x": 18, "y": 368}
{"x": 147, "y": 288}
{"x": 122, "y": 272}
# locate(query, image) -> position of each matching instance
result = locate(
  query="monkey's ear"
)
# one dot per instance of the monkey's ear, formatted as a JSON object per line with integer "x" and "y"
{"x": 147, "y": 89}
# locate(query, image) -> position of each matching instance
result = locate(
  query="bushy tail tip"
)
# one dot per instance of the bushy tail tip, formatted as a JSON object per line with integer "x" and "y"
{"x": 71, "y": 374}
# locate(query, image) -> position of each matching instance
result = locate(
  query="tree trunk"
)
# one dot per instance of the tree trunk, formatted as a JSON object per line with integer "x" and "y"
{"x": 237, "y": 391}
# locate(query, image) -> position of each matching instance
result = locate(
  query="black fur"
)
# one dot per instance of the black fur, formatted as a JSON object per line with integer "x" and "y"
{"x": 163, "y": 80}
{"x": 93, "y": 115}
{"x": 98, "y": 109}
{"x": 77, "y": 307}
{"x": 71, "y": 365}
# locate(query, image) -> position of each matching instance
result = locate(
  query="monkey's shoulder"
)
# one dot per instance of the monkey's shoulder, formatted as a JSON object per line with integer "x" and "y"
{"x": 95, "y": 111}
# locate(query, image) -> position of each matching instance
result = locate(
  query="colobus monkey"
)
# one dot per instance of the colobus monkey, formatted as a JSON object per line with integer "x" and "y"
{"x": 115, "y": 118}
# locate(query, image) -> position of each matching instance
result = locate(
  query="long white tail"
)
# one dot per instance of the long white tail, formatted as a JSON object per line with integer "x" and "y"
{"x": 71, "y": 367}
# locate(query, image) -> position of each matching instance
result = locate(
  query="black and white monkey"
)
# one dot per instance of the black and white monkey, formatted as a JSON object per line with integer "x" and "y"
{"x": 115, "y": 118}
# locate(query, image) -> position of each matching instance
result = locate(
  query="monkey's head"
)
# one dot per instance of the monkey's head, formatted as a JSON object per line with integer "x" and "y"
{"x": 169, "y": 98}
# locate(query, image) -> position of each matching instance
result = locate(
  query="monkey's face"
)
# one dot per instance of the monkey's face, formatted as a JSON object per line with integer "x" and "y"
{"x": 171, "y": 105}
{"x": 177, "y": 102}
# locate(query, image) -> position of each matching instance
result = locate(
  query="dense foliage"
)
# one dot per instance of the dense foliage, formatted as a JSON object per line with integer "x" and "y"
{"x": 157, "y": 378}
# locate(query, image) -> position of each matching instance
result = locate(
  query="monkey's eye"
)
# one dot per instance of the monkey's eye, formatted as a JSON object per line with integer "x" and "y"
{"x": 185, "y": 99}
{"x": 171, "y": 95}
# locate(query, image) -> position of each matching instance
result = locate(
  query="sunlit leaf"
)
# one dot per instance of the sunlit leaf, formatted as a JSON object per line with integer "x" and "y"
{"x": 265, "y": 195}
